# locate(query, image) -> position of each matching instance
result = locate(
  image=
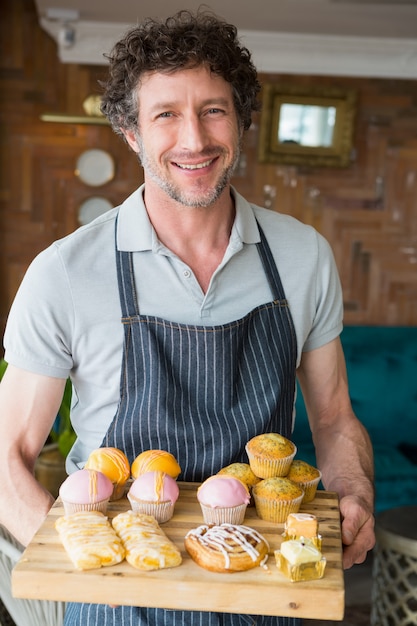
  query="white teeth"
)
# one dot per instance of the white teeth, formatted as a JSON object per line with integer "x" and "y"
{"x": 198, "y": 166}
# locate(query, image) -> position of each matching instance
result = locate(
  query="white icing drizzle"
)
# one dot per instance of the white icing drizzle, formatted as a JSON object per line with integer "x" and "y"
{"x": 219, "y": 537}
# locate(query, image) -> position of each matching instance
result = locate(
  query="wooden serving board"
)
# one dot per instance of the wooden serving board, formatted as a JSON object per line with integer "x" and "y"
{"x": 45, "y": 572}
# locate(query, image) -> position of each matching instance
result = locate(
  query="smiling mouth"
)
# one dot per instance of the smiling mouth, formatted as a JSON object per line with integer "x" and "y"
{"x": 196, "y": 166}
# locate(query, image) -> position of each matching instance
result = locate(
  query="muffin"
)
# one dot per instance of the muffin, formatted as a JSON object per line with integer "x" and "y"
{"x": 155, "y": 461}
{"x": 223, "y": 499}
{"x": 154, "y": 493}
{"x": 305, "y": 475}
{"x": 277, "y": 497}
{"x": 243, "y": 472}
{"x": 270, "y": 454}
{"x": 114, "y": 464}
{"x": 86, "y": 490}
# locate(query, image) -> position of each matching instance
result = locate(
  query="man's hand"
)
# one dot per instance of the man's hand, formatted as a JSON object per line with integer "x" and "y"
{"x": 357, "y": 530}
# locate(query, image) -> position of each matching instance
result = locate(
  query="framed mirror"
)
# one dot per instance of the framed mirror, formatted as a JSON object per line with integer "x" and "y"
{"x": 306, "y": 125}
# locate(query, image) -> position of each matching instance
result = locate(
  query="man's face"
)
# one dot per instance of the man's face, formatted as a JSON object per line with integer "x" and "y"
{"x": 188, "y": 138}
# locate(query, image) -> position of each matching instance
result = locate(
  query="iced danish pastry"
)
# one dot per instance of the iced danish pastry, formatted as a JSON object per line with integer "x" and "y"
{"x": 89, "y": 540}
{"x": 147, "y": 546}
{"x": 226, "y": 547}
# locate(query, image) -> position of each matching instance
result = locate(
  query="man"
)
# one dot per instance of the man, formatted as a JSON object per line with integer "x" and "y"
{"x": 221, "y": 302}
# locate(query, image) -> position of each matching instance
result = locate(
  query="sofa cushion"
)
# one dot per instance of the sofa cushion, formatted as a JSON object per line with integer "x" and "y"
{"x": 381, "y": 363}
{"x": 382, "y": 372}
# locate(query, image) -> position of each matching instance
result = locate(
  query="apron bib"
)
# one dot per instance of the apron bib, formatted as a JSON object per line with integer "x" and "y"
{"x": 199, "y": 392}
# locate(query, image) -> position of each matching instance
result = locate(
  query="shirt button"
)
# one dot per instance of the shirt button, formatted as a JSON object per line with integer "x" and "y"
{"x": 186, "y": 273}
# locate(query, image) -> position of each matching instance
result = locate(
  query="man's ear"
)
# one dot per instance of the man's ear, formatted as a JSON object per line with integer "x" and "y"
{"x": 130, "y": 137}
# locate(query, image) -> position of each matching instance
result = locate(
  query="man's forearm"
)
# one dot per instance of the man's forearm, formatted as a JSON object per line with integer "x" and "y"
{"x": 346, "y": 461}
{"x": 24, "y": 503}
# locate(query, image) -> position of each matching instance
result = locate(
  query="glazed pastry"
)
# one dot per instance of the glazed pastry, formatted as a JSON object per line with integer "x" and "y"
{"x": 155, "y": 461}
{"x": 89, "y": 540}
{"x": 154, "y": 493}
{"x": 147, "y": 546}
{"x": 86, "y": 490}
{"x": 223, "y": 499}
{"x": 114, "y": 464}
{"x": 227, "y": 547}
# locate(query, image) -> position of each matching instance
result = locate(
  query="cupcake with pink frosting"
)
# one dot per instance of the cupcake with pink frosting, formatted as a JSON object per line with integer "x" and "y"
{"x": 86, "y": 490}
{"x": 154, "y": 493}
{"x": 223, "y": 499}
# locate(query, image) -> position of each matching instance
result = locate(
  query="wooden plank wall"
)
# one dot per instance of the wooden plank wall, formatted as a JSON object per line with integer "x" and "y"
{"x": 368, "y": 211}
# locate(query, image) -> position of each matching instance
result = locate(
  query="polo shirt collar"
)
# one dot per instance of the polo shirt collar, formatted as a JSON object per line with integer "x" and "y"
{"x": 135, "y": 232}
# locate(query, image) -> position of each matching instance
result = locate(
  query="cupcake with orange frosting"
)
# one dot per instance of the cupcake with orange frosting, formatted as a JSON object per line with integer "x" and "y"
{"x": 155, "y": 461}
{"x": 114, "y": 464}
{"x": 86, "y": 490}
{"x": 223, "y": 499}
{"x": 154, "y": 493}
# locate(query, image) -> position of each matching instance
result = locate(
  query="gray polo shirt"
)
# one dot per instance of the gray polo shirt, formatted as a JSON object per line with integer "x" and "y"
{"x": 65, "y": 320}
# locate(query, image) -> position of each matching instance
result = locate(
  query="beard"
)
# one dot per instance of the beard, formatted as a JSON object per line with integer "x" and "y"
{"x": 201, "y": 196}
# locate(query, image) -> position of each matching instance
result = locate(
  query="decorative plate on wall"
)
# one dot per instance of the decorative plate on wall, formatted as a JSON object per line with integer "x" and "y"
{"x": 95, "y": 167}
{"x": 92, "y": 208}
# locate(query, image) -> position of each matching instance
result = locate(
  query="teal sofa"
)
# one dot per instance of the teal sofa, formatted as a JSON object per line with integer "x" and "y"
{"x": 382, "y": 371}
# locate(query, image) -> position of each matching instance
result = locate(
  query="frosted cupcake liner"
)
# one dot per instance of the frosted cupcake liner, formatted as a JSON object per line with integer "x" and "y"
{"x": 276, "y": 511}
{"x": 223, "y": 515}
{"x": 76, "y": 507}
{"x": 161, "y": 511}
{"x": 269, "y": 468}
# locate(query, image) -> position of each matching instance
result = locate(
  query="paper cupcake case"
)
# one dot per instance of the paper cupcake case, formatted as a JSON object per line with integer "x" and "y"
{"x": 276, "y": 511}
{"x": 74, "y": 507}
{"x": 310, "y": 488}
{"x": 269, "y": 468}
{"x": 161, "y": 511}
{"x": 223, "y": 515}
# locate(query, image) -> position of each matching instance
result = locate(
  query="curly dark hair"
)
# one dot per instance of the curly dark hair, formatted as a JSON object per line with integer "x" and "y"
{"x": 185, "y": 40}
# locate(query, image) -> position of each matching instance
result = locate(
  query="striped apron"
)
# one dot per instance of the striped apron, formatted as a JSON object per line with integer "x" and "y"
{"x": 199, "y": 392}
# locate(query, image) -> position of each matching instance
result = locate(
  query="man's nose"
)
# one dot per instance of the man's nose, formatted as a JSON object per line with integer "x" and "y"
{"x": 193, "y": 134}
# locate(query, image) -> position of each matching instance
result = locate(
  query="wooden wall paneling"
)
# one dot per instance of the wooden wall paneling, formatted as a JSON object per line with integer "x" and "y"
{"x": 367, "y": 211}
